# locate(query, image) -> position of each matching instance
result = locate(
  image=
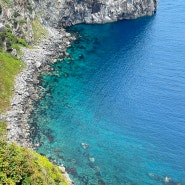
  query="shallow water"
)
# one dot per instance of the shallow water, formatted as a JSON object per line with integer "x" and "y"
{"x": 114, "y": 111}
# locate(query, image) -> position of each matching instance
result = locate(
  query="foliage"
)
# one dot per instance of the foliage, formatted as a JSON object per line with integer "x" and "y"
{"x": 39, "y": 31}
{"x": 16, "y": 14}
{"x": 25, "y": 167}
{"x": 12, "y": 42}
{"x": 3, "y": 130}
{"x": 29, "y": 6}
{"x": 8, "y": 3}
{"x": 9, "y": 67}
{"x": 21, "y": 22}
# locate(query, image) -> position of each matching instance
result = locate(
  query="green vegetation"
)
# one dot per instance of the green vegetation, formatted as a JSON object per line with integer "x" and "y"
{"x": 29, "y": 6}
{"x": 12, "y": 42}
{"x": 21, "y": 22}
{"x": 8, "y": 3}
{"x": 39, "y": 31}
{"x": 16, "y": 14}
{"x": 3, "y": 130}
{"x": 9, "y": 67}
{"x": 25, "y": 167}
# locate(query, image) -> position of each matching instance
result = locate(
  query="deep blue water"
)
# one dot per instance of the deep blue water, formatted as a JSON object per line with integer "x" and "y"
{"x": 122, "y": 93}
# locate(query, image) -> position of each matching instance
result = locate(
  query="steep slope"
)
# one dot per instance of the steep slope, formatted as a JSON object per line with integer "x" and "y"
{"x": 70, "y": 12}
{"x": 23, "y": 166}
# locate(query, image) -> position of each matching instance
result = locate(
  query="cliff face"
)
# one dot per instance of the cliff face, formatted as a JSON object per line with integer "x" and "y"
{"x": 70, "y": 12}
{"x": 17, "y": 16}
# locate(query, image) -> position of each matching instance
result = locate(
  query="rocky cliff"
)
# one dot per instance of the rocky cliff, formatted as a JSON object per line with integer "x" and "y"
{"x": 70, "y": 12}
{"x": 17, "y": 16}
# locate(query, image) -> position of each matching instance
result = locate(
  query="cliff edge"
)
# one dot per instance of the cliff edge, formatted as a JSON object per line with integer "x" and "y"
{"x": 69, "y": 12}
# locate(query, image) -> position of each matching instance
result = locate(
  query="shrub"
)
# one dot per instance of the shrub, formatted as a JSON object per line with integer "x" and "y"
{"x": 22, "y": 42}
{"x": 21, "y": 22}
{"x": 16, "y": 14}
{"x": 12, "y": 42}
{"x": 25, "y": 167}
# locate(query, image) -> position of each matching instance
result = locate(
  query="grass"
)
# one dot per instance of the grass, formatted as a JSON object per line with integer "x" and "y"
{"x": 9, "y": 67}
{"x": 39, "y": 31}
{"x": 3, "y": 130}
{"x": 26, "y": 167}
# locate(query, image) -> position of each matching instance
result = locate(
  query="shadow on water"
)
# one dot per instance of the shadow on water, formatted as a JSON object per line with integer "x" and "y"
{"x": 129, "y": 31}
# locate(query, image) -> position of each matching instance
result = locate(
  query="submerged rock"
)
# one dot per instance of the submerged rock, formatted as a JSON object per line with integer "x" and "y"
{"x": 71, "y": 171}
{"x": 92, "y": 159}
{"x": 101, "y": 182}
{"x": 164, "y": 180}
{"x": 84, "y": 145}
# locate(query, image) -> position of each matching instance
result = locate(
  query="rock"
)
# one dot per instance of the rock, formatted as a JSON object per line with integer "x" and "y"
{"x": 167, "y": 179}
{"x": 101, "y": 182}
{"x": 63, "y": 170}
{"x": 37, "y": 144}
{"x": 69, "y": 12}
{"x": 72, "y": 171}
{"x": 14, "y": 51}
{"x": 57, "y": 150}
{"x": 92, "y": 159}
{"x": 84, "y": 145}
{"x": 38, "y": 64}
{"x": 97, "y": 168}
{"x": 2, "y": 28}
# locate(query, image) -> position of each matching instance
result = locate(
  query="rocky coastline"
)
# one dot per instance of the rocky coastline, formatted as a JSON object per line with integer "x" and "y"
{"x": 26, "y": 87}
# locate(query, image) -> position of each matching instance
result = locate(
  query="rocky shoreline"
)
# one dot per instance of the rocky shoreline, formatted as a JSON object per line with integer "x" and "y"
{"x": 27, "y": 87}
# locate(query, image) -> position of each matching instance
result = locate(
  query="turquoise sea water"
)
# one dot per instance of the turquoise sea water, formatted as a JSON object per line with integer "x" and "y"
{"x": 114, "y": 113}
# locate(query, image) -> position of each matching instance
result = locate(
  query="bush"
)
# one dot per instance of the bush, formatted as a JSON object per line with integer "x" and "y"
{"x": 12, "y": 42}
{"x": 25, "y": 167}
{"x": 29, "y": 6}
{"x": 16, "y": 14}
{"x": 22, "y": 42}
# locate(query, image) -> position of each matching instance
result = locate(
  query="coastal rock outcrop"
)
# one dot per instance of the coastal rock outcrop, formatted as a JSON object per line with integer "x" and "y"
{"x": 16, "y": 16}
{"x": 70, "y": 12}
